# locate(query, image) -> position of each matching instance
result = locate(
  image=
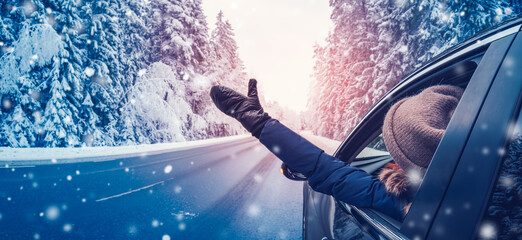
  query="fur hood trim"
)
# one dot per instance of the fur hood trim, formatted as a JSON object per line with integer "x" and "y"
{"x": 395, "y": 180}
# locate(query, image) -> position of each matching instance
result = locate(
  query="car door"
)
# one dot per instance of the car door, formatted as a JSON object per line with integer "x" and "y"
{"x": 474, "y": 68}
{"x": 496, "y": 129}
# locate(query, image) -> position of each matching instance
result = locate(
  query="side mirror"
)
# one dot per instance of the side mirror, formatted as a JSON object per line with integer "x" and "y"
{"x": 292, "y": 175}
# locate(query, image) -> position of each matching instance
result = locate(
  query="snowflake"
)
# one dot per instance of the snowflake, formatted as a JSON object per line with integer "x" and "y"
{"x": 7, "y": 103}
{"x": 89, "y": 71}
{"x": 84, "y": 200}
{"x": 29, "y": 8}
{"x": 155, "y": 223}
{"x": 498, "y": 11}
{"x": 448, "y": 211}
{"x": 67, "y": 227}
{"x": 177, "y": 189}
{"x": 508, "y": 11}
{"x": 501, "y": 151}
{"x": 165, "y": 237}
{"x": 258, "y": 178}
{"x": 77, "y": 172}
{"x": 462, "y": 13}
{"x": 276, "y": 149}
{"x": 414, "y": 176}
{"x": 69, "y": 177}
{"x": 37, "y": 114}
{"x": 168, "y": 169}
{"x": 52, "y": 213}
{"x": 48, "y": 10}
{"x": 132, "y": 229}
{"x": 488, "y": 231}
{"x": 485, "y": 151}
{"x": 182, "y": 226}
{"x": 253, "y": 210}
{"x": 142, "y": 72}
{"x": 53, "y": 160}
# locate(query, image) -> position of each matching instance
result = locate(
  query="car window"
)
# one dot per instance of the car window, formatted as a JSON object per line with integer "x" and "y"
{"x": 503, "y": 214}
{"x": 375, "y": 148}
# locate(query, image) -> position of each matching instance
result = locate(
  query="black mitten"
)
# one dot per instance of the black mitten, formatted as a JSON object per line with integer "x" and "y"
{"x": 246, "y": 109}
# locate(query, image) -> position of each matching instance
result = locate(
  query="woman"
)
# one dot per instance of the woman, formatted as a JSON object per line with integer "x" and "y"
{"x": 412, "y": 129}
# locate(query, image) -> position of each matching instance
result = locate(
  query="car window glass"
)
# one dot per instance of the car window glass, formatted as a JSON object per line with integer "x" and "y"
{"x": 375, "y": 148}
{"x": 503, "y": 216}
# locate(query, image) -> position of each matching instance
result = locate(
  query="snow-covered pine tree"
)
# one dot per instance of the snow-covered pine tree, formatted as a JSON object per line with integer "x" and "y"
{"x": 133, "y": 19}
{"x": 180, "y": 34}
{"x": 225, "y": 68}
{"x": 104, "y": 68}
{"x": 156, "y": 111}
{"x": 42, "y": 83}
{"x": 381, "y": 41}
{"x": 196, "y": 28}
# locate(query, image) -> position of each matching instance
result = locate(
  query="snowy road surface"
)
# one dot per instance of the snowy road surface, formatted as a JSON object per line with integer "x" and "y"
{"x": 230, "y": 190}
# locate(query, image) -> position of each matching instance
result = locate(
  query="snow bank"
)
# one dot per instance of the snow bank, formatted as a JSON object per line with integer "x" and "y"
{"x": 15, "y": 156}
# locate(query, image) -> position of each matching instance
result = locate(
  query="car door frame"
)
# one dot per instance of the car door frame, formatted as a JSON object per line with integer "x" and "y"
{"x": 490, "y": 62}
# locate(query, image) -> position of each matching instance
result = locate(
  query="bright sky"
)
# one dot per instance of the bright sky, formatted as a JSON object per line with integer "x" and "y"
{"x": 276, "y": 40}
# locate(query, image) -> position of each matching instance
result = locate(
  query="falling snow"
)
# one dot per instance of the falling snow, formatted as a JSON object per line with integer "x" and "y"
{"x": 168, "y": 169}
{"x": 142, "y": 72}
{"x": 67, "y": 227}
{"x": 182, "y": 226}
{"x": 177, "y": 189}
{"x": 155, "y": 223}
{"x": 89, "y": 71}
{"x": 488, "y": 231}
{"x": 52, "y": 213}
{"x": 276, "y": 149}
{"x": 253, "y": 210}
{"x": 165, "y": 237}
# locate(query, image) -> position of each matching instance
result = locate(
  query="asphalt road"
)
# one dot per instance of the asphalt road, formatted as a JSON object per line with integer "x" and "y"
{"x": 230, "y": 190}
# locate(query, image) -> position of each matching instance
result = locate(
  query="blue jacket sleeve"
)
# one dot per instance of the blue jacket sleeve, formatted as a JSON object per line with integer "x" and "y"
{"x": 327, "y": 174}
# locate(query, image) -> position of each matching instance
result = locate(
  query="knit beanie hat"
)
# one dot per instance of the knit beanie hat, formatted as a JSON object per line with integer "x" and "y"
{"x": 414, "y": 126}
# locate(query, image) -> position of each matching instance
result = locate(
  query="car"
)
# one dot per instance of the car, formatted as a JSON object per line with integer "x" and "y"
{"x": 454, "y": 200}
